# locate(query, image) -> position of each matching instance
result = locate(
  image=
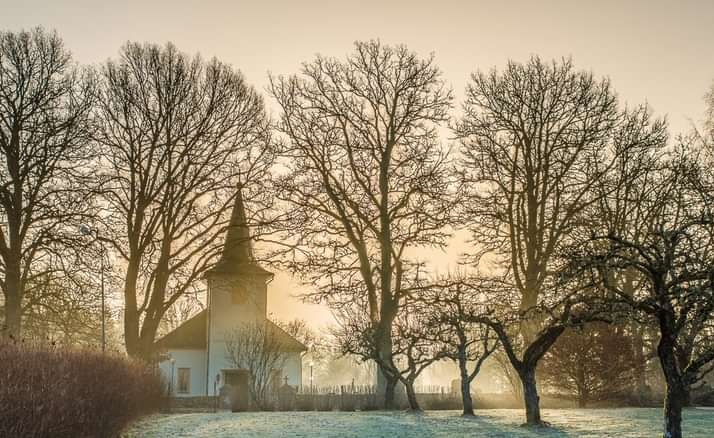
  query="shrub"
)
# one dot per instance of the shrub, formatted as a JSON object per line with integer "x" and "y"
{"x": 52, "y": 392}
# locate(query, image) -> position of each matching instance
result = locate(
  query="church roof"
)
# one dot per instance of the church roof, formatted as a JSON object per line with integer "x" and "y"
{"x": 237, "y": 256}
{"x": 189, "y": 335}
{"x": 192, "y": 335}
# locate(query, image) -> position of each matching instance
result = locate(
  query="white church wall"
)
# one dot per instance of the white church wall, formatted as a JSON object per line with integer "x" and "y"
{"x": 195, "y": 361}
{"x": 228, "y": 314}
{"x": 293, "y": 369}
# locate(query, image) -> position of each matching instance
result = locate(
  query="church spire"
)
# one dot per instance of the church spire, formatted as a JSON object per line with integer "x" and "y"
{"x": 237, "y": 256}
{"x": 237, "y": 249}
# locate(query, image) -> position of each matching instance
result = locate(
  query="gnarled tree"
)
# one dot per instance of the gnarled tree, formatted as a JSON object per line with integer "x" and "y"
{"x": 675, "y": 258}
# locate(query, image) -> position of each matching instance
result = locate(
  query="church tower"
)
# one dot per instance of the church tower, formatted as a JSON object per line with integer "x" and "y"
{"x": 237, "y": 291}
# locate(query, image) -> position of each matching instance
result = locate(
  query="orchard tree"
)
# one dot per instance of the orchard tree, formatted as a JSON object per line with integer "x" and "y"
{"x": 537, "y": 138}
{"x": 180, "y": 138}
{"x": 453, "y": 308}
{"x": 367, "y": 180}
{"x": 621, "y": 195}
{"x": 45, "y": 104}
{"x": 676, "y": 259}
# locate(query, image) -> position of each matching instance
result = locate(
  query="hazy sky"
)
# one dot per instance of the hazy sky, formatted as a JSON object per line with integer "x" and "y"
{"x": 661, "y": 52}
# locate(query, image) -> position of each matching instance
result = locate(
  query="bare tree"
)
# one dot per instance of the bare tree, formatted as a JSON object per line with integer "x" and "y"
{"x": 180, "y": 137}
{"x": 620, "y": 196}
{"x": 537, "y": 138}
{"x": 454, "y": 307}
{"x": 257, "y": 348}
{"x": 675, "y": 259}
{"x": 316, "y": 344}
{"x": 595, "y": 363}
{"x": 417, "y": 341}
{"x": 64, "y": 305}
{"x": 562, "y": 307}
{"x": 367, "y": 180}
{"x": 45, "y": 102}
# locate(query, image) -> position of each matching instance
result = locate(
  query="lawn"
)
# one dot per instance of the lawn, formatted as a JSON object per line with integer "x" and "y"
{"x": 497, "y": 423}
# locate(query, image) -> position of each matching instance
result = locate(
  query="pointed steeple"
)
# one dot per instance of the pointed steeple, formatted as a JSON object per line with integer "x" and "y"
{"x": 237, "y": 248}
{"x": 237, "y": 256}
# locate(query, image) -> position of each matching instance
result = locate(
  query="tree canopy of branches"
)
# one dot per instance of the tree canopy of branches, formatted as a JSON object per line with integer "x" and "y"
{"x": 178, "y": 136}
{"x": 537, "y": 138}
{"x": 594, "y": 364}
{"x": 675, "y": 257}
{"x": 367, "y": 180}
{"x": 45, "y": 104}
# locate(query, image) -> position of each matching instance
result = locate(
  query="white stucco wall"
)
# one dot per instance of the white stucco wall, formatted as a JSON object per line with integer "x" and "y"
{"x": 225, "y": 315}
{"x": 195, "y": 360}
{"x": 293, "y": 369}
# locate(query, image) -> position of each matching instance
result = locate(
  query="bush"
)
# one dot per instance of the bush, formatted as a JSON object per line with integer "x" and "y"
{"x": 51, "y": 392}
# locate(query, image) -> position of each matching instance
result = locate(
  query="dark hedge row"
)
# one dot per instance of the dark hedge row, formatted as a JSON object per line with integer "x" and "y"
{"x": 50, "y": 392}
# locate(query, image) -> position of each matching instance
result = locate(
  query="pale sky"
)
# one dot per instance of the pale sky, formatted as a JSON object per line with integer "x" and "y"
{"x": 661, "y": 52}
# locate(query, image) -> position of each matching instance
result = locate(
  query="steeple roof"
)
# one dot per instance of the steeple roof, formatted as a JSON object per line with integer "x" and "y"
{"x": 237, "y": 256}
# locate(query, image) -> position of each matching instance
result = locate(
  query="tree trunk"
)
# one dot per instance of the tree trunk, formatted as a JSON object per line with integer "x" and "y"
{"x": 13, "y": 297}
{"x": 673, "y": 404}
{"x": 131, "y": 314}
{"x": 686, "y": 397}
{"x": 146, "y": 340}
{"x": 385, "y": 363}
{"x": 411, "y": 395}
{"x": 389, "y": 391}
{"x": 13, "y": 313}
{"x": 466, "y": 401}
{"x": 676, "y": 390}
{"x": 530, "y": 396}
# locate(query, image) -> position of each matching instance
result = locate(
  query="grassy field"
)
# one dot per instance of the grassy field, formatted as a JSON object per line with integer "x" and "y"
{"x": 497, "y": 423}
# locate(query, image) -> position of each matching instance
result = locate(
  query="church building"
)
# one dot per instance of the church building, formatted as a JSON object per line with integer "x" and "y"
{"x": 196, "y": 360}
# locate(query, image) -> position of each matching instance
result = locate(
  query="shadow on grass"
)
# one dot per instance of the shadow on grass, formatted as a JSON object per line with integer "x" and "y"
{"x": 490, "y": 425}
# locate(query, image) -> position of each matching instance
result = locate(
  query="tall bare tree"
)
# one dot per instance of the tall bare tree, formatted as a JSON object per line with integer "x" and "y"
{"x": 537, "y": 139}
{"x": 179, "y": 135}
{"x": 367, "y": 179}
{"x": 45, "y": 103}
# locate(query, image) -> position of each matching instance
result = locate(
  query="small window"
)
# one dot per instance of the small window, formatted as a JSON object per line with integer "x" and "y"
{"x": 184, "y": 381}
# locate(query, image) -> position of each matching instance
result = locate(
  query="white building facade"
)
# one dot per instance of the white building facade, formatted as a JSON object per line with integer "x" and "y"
{"x": 197, "y": 362}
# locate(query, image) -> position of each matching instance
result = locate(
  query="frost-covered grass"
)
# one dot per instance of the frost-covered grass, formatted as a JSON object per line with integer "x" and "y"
{"x": 497, "y": 423}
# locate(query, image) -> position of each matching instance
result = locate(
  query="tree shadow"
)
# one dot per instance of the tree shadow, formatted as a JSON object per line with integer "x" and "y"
{"x": 515, "y": 430}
